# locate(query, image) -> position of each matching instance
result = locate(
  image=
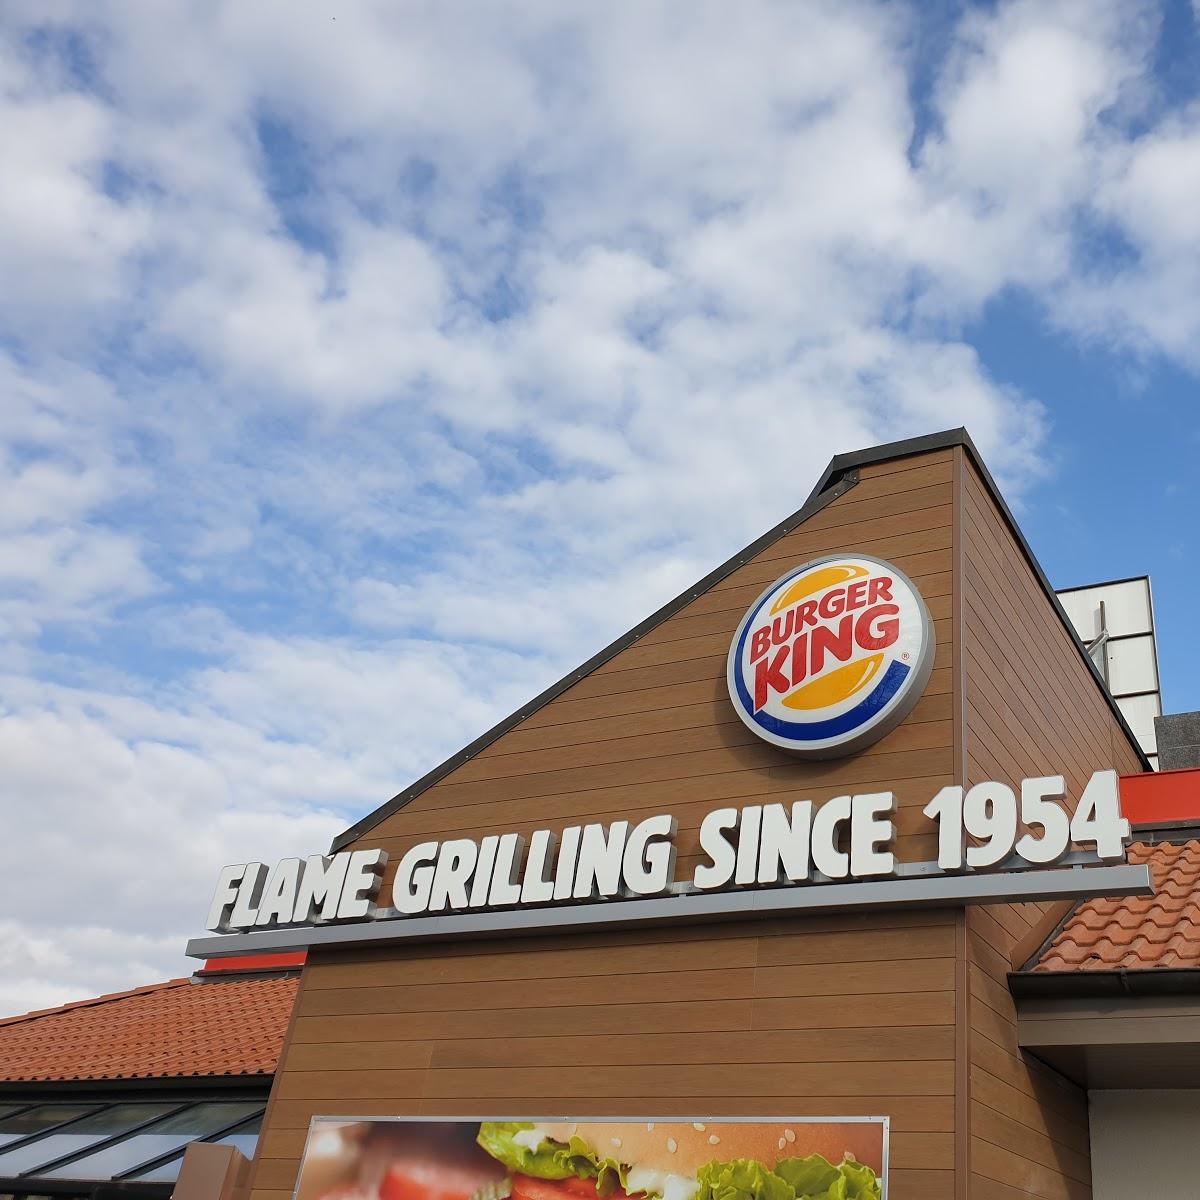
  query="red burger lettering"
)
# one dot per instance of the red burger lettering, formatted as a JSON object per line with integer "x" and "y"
{"x": 828, "y": 655}
{"x": 811, "y": 653}
{"x": 800, "y": 660}
{"x": 835, "y": 602}
{"x": 879, "y": 627}
{"x": 760, "y": 643}
{"x": 769, "y": 676}
{"x": 825, "y": 639}
{"x": 876, "y": 629}
{"x": 832, "y": 604}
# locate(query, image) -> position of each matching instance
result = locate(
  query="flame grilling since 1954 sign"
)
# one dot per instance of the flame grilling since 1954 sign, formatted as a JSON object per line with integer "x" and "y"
{"x": 831, "y": 656}
{"x": 828, "y": 659}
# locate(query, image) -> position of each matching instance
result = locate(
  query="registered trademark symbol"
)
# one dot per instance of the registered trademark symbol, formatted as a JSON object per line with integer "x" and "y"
{"x": 905, "y": 656}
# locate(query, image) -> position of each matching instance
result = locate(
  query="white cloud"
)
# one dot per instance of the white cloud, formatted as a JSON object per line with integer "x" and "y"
{"x": 75, "y": 962}
{"x": 1029, "y": 104}
{"x": 363, "y": 371}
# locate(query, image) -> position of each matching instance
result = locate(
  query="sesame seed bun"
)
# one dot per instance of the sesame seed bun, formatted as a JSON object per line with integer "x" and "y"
{"x": 682, "y": 1148}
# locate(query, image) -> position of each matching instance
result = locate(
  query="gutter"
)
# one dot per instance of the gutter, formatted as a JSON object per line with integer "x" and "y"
{"x": 1065, "y": 985}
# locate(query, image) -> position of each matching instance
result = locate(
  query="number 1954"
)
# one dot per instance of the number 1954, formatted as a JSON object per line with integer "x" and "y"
{"x": 989, "y": 815}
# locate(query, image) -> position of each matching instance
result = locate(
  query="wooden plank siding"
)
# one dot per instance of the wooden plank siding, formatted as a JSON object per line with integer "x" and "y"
{"x": 652, "y": 730}
{"x": 901, "y": 1013}
{"x": 852, "y": 1016}
{"x": 1030, "y": 707}
{"x": 825, "y": 1015}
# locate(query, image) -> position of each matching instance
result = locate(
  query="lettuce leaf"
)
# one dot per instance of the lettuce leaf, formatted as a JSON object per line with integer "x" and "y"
{"x": 811, "y": 1178}
{"x": 551, "y": 1160}
{"x": 860, "y": 1181}
{"x": 587, "y": 1164}
{"x": 741, "y": 1179}
{"x": 815, "y": 1178}
{"x": 496, "y": 1137}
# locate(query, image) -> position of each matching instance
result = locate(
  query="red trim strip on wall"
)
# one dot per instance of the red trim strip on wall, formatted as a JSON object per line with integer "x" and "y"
{"x": 1157, "y": 797}
{"x": 254, "y": 962}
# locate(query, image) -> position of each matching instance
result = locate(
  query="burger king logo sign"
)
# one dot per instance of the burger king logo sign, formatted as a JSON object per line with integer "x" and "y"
{"x": 832, "y": 656}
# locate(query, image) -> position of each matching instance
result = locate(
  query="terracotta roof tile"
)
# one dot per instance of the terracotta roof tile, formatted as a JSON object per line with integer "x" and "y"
{"x": 184, "y": 1027}
{"x": 1159, "y": 932}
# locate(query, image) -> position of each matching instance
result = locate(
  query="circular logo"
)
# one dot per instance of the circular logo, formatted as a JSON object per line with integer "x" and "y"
{"x": 832, "y": 656}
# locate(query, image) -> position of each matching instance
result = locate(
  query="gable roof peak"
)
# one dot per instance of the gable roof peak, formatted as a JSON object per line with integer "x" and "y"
{"x": 838, "y": 478}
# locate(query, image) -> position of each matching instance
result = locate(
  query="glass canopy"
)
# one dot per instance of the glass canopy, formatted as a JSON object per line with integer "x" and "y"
{"x": 142, "y": 1142}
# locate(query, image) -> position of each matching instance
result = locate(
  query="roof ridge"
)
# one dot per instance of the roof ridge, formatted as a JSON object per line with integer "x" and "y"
{"x": 94, "y": 1001}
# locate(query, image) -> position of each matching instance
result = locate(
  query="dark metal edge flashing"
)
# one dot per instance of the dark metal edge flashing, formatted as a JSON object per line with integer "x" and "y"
{"x": 838, "y": 478}
{"x": 97, "y": 1189}
{"x": 248, "y": 975}
{"x": 1087, "y": 587}
{"x": 130, "y": 1089}
{"x": 1176, "y": 832}
{"x": 841, "y": 464}
{"x": 1151, "y": 981}
{"x": 844, "y": 463}
{"x": 815, "y": 503}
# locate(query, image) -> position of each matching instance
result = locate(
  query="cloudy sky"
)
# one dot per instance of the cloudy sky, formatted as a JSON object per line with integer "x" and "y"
{"x": 365, "y": 367}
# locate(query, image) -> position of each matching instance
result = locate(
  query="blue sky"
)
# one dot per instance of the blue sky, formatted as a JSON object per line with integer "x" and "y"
{"x": 366, "y": 368}
{"x": 1123, "y": 497}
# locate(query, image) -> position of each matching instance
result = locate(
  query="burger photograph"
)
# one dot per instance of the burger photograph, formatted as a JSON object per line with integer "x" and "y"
{"x": 556, "y": 1159}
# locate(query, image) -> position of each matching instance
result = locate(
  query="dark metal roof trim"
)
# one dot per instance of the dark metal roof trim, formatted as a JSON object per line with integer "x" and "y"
{"x": 1156, "y": 833}
{"x": 159, "y": 1160}
{"x": 815, "y": 503}
{"x": 838, "y": 478}
{"x": 128, "y": 1091}
{"x": 843, "y": 463}
{"x": 1087, "y": 587}
{"x": 1152, "y": 981}
{"x": 90, "y": 1148}
{"x": 38, "y": 1134}
{"x": 80, "y": 1188}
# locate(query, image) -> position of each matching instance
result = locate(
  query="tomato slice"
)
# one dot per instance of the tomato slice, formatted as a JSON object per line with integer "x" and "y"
{"x": 586, "y": 1187}
{"x": 526, "y": 1187}
{"x": 428, "y": 1181}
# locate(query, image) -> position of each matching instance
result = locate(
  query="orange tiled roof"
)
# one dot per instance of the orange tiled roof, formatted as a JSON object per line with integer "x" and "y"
{"x": 184, "y": 1027}
{"x": 1141, "y": 932}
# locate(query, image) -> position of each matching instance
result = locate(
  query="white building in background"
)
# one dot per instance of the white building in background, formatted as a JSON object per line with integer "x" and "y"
{"x": 1115, "y": 621}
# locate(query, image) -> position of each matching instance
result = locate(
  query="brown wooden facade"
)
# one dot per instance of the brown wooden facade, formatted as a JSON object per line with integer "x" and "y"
{"x": 903, "y": 1013}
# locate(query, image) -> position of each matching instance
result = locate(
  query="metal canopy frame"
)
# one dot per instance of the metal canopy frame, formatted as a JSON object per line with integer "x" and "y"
{"x": 168, "y": 1156}
{"x": 32, "y": 1182}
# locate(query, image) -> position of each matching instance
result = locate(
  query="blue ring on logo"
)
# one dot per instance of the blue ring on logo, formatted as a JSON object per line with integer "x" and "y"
{"x": 813, "y": 731}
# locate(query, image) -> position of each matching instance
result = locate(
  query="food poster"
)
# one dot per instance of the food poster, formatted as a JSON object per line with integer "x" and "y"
{"x": 619, "y": 1159}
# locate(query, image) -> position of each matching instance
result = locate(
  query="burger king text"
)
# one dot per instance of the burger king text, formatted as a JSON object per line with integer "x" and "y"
{"x": 831, "y": 656}
{"x": 758, "y": 845}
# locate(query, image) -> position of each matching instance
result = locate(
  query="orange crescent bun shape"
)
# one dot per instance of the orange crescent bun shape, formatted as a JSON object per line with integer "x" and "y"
{"x": 650, "y": 1144}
